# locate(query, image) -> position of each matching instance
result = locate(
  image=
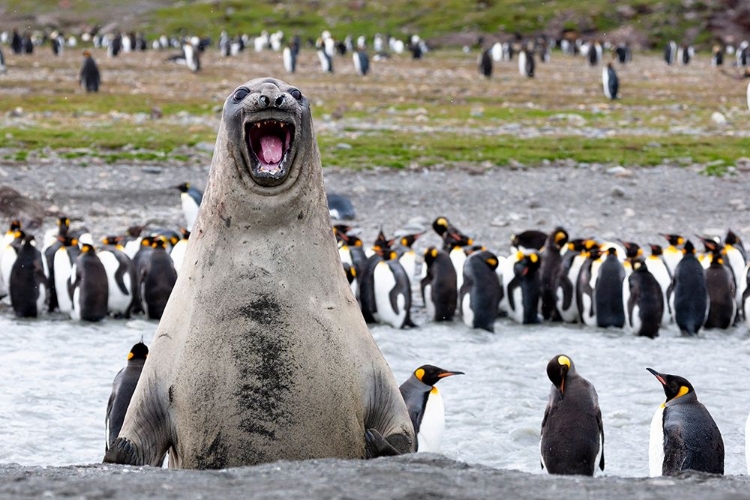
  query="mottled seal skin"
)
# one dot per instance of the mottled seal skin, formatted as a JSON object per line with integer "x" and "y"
{"x": 262, "y": 353}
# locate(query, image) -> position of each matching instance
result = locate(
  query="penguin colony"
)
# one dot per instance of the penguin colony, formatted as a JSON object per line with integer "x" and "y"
{"x": 69, "y": 273}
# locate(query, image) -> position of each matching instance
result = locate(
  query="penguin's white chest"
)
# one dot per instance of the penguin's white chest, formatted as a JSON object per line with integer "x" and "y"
{"x": 384, "y": 284}
{"x": 467, "y": 313}
{"x": 409, "y": 262}
{"x": 458, "y": 257}
{"x": 190, "y": 209}
{"x": 117, "y": 301}
{"x": 656, "y": 444}
{"x": 431, "y": 429}
{"x": 63, "y": 271}
{"x": 178, "y": 254}
{"x": 747, "y": 443}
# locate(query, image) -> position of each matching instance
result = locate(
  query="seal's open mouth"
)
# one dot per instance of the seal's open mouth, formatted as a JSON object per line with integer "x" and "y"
{"x": 269, "y": 142}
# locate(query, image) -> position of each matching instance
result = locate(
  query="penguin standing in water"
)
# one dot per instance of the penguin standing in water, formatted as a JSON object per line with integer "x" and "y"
{"x": 88, "y": 289}
{"x": 121, "y": 279}
{"x": 737, "y": 260}
{"x": 157, "y": 278}
{"x": 688, "y": 293}
{"x": 683, "y": 434}
{"x": 610, "y": 82}
{"x": 586, "y": 284}
{"x": 425, "y": 405}
{"x": 406, "y": 254}
{"x": 523, "y": 290}
{"x": 361, "y": 62}
{"x": 572, "y": 260}
{"x": 289, "y": 57}
{"x": 178, "y": 250}
{"x": 122, "y": 392}
{"x": 28, "y": 284}
{"x": 608, "y": 292}
{"x": 89, "y": 77}
{"x": 485, "y": 63}
{"x": 550, "y": 271}
{"x": 11, "y": 244}
{"x": 63, "y": 262}
{"x": 572, "y": 439}
{"x": 645, "y": 305}
{"x": 439, "y": 288}
{"x": 480, "y": 294}
{"x": 721, "y": 298}
{"x": 63, "y": 225}
{"x": 658, "y": 269}
{"x": 191, "y": 201}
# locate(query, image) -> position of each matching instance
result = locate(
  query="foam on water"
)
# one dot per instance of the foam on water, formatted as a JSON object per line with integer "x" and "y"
{"x": 57, "y": 376}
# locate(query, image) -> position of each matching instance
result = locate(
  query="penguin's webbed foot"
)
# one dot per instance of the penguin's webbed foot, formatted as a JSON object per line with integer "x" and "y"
{"x": 123, "y": 451}
{"x": 378, "y": 446}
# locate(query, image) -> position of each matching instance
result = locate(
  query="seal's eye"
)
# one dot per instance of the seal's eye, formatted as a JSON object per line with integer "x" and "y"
{"x": 240, "y": 94}
{"x": 296, "y": 94}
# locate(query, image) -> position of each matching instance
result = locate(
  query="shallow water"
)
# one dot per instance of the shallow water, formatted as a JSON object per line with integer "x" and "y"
{"x": 57, "y": 376}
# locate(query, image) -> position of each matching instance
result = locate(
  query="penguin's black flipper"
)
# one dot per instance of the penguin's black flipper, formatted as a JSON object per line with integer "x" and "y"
{"x": 377, "y": 446}
{"x": 514, "y": 283}
{"x": 121, "y": 271}
{"x": 567, "y": 289}
{"x": 601, "y": 434}
{"x": 676, "y": 453}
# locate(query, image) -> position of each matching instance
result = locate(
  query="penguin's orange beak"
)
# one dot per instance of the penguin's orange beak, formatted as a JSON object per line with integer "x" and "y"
{"x": 658, "y": 376}
{"x": 449, "y": 374}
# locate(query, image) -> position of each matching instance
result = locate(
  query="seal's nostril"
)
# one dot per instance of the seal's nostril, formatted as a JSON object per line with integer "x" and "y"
{"x": 279, "y": 100}
{"x": 263, "y": 101}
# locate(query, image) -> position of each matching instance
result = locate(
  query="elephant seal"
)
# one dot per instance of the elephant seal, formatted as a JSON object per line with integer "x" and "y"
{"x": 262, "y": 353}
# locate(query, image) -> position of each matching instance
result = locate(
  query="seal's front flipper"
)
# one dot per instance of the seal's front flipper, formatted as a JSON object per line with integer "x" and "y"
{"x": 377, "y": 446}
{"x": 123, "y": 451}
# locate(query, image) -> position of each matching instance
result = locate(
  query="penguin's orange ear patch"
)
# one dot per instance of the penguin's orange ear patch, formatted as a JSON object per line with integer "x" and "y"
{"x": 419, "y": 374}
{"x": 492, "y": 262}
{"x": 434, "y": 252}
{"x": 534, "y": 257}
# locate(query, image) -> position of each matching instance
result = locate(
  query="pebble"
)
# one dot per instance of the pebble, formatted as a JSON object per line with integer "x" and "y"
{"x": 718, "y": 118}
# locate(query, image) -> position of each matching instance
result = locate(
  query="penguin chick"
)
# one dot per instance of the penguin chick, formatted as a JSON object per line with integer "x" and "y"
{"x": 425, "y": 405}
{"x": 572, "y": 429}
{"x": 122, "y": 391}
{"x": 683, "y": 433}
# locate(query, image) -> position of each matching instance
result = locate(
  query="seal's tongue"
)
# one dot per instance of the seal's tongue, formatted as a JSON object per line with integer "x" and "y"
{"x": 271, "y": 149}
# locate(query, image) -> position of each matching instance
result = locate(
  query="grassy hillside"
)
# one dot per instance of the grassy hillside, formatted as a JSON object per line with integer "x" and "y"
{"x": 654, "y": 20}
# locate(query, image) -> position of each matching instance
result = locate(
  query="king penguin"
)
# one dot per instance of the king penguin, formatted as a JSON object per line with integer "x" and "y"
{"x": 608, "y": 292}
{"x": 485, "y": 63}
{"x": 425, "y": 405}
{"x": 406, "y": 254}
{"x": 480, "y": 294}
{"x": 523, "y": 290}
{"x": 572, "y": 440}
{"x": 191, "y": 201}
{"x": 48, "y": 253}
{"x": 88, "y": 289}
{"x": 361, "y": 62}
{"x": 673, "y": 253}
{"x": 644, "y": 307}
{"x": 157, "y": 278}
{"x": 737, "y": 260}
{"x": 89, "y": 76}
{"x": 688, "y": 293}
{"x": 65, "y": 257}
{"x": 658, "y": 268}
{"x": 683, "y": 434}
{"x": 567, "y": 302}
{"x": 122, "y": 391}
{"x": 610, "y": 82}
{"x": 28, "y": 284}
{"x": 550, "y": 272}
{"x": 721, "y": 299}
{"x": 121, "y": 280}
{"x": 12, "y": 243}
{"x": 439, "y": 288}
{"x": 586, "y": 284}
{"x": 178, "y": 250}
{"x": 289, "y": 57}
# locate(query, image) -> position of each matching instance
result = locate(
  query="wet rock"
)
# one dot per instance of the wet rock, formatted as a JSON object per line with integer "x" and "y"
{"x": 743, "y": 164}
{"x": 618, "y": 192}
{"x": 719, "y": 118}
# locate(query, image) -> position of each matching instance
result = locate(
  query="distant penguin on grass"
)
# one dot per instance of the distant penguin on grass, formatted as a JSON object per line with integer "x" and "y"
{"x": 189, "y": 57}
{"x": 122, "y": 392}
{"x": 361, "y": 62}
{"x": 3, "y": 67}
{"x": 326, "y": 61}
{"x": 481, "y": 292}
{"x": 289, "y": 57}
{"x": 683, "y": 434}
{"x": 572, "y": 438}
{"x": 425, "y": 405}
{"x": 567, "y": 302}
{"x": 485, "y": 63}
{"x": 89, "y": 77}
{"x": 610, "y": 82}
{"x": 526, "y": 63}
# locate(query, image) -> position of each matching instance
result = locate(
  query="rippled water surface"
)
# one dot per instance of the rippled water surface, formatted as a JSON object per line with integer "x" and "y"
{"x": 57, "y": 376}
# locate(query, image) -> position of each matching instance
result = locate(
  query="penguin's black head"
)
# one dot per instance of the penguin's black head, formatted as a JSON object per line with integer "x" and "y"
{"x": 160, "y": 242}
{"x": 732, "y": 239}
{"x": 595, "y": 252}
{"x": 577, "y": 245}
{"x": 674, "y": 239}
{"x": 111, "y": 240}
{"x": 558, "y": 369}
{"x": 147, "y": 241}
{"x": 688, "y": 249}
{"x": 382, "y": 245}
{"x": 527, "y": 264}
{"x": 710, "y": 245}
{"x": 350, "y": 272}
{"x": 453, "y": 239}
{"x": 612, "y": 251}
{"x": 29, "y": 240}
{"x": 409, "y": 239}
{"x": 632, "y": 250}
{"x": 431, "y": 375}
{"x": 531, "y": 239}
{"x": 717, "y": 259}
{"x": 440, "y": 225}
{"x": 558, "y": 238}
{"x": 185, "y": 233}
{"x": 430, "y": 255}
{"x": 472, "y": 249}
{"x": 639, "y": 266}
{"x": 674, "y": 386}
{"x": 86, "y": 248}
{"x": 139, "y": 351}
{"x": 656, "y": 250}
{"x": 15, "y": 225}
{"x": 490, "y": 259}
{"x": 183, "y": 187}
{"x": 63, "y": 222}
